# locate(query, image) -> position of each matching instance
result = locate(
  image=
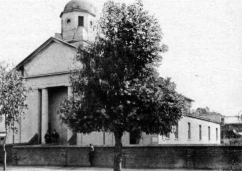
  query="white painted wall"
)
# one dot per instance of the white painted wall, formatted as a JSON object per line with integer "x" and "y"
{"x": 183, "y": 132}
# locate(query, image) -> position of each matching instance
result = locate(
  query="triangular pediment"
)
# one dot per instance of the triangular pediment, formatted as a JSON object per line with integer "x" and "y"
{"x": 53, "y": 56}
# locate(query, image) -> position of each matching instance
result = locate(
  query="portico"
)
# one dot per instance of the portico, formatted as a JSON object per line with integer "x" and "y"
{"x": 51, "y": 97}
{"x": 46, "y": 71}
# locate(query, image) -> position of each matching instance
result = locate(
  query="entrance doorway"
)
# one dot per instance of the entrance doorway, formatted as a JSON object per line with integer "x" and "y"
{"x": 56, "y": 97}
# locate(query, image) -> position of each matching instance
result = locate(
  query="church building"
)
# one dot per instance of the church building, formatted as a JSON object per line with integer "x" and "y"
{"x": 46, "y": 71}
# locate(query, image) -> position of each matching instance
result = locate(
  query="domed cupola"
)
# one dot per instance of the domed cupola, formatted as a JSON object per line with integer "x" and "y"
{"x": 80, "y": 6}
{"x": 78, "y": 18}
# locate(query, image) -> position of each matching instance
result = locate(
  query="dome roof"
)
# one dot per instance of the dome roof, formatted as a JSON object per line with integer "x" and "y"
{"x": 81, "y": 6}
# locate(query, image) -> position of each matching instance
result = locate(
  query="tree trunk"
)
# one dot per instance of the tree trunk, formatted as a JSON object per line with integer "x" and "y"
{"x": 4, "y": 157}
{"x": 118, "y": 151}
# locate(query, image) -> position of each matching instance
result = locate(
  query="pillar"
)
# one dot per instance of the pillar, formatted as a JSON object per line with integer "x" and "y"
{"x": 45, "y": 114}
{"x": 69, "y": 92}
{"x": 39, "y": 115}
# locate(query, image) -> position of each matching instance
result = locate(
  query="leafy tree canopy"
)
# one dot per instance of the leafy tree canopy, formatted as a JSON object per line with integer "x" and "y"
{"x": 12, "y": 95}
{"x": 118, "y": 89}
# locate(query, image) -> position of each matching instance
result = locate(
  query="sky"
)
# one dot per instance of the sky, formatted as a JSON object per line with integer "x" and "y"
{"x": 204, "y": 39}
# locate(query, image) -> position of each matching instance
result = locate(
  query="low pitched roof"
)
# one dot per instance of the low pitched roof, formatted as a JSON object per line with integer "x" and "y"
{"x": 201, "y": 118}
{"x": 42, "y": 47}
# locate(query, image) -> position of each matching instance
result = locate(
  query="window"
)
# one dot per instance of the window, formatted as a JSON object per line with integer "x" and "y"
{"x": 222, "y": 121}
{"x": 80, "y": 21}
{"x": 200, "y": 132}
{"x": 135, "y": 137}
{"x": 189, "y": 131}
{"x": 68, "y": 21}
{"x": 155, "y": 140}
{"x": 168, "y": 136}
{"x": 209, "y": 133}
{"x": 176, "y": 131}
{"x": 216, "y": 134}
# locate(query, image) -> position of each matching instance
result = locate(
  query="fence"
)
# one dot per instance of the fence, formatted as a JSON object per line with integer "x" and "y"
{"x": 185, "y": 156}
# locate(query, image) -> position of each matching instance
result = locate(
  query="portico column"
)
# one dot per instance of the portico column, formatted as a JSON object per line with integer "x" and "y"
{"x": 45, "y": 114}
{"x": 69, "y": 92}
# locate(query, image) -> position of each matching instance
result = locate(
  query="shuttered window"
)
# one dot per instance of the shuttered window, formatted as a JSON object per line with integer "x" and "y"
{"x": 176, "y": 131}
{"x": 216, "y": 134}
{"x": 209, "y": 136}
{"x": 200, "y": 132}
{"x": 189, "y": 131}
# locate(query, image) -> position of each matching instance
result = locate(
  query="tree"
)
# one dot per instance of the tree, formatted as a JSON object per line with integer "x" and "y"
{"x": 12, "y": 98}
{"x": 117, "y": 89}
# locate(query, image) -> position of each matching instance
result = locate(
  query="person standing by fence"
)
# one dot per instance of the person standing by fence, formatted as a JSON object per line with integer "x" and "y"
{"x": 55, "y": 137}
{"x": 91, "y": 155}
{"x": 47, "y": 137}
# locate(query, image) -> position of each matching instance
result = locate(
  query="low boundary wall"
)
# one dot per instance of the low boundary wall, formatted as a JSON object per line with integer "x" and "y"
{"x": 8, "y": 149}
{"x": 182, "y": 156}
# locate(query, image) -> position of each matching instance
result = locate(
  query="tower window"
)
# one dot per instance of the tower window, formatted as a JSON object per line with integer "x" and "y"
{"x": 80, "y": 21}
{"x": 68, "y": 21}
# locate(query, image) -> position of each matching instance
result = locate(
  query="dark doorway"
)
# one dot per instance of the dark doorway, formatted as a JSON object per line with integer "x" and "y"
{"x": 56, "y": 97}
{"x": 135, "y": 137}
